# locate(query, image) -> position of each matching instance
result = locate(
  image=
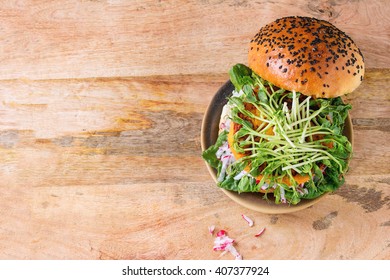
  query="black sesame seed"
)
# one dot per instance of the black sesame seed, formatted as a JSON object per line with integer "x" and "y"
{"x": 315, "y": 41}
{"x": 285, "y": 70}
{"x": 312, "y": 69}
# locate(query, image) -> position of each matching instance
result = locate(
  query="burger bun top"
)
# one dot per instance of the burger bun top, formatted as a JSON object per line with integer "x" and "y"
{"x": 307, "y": 55}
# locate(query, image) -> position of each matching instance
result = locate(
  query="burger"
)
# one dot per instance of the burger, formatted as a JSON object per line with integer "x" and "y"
{"x": 281, "y": 131}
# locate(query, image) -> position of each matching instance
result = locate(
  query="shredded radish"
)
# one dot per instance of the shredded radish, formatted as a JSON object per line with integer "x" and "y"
{"x": 240, "y": 175}
{"x": 233, "y": 251}
{"x": 224, "y": 243}
{"x": 260, "y": 232}
{"x": 221, "y": 233}
{"x": 247, "y": 219}
{"x": 302, "y": 190}
{"x": 211, "y": 229}
{"x": 225, "y": 155}
{"x": 226, "y": 161}
{"x": 282, "y": 195}
{"x": 265, "y": 186}
{"x": 222, "y": 150}
{"x": 225, "y": 125}
{"x": 225, "y": 118}
{"x": 237, "y": 93}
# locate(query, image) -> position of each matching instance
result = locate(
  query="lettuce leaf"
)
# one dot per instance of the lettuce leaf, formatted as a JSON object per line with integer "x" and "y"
{"x": 209, "y": 155}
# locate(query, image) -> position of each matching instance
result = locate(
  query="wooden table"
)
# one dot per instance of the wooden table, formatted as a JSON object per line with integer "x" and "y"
{"x": 101, "y": 104}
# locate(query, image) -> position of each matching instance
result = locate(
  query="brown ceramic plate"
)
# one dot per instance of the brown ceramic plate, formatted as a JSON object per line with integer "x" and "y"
{"x": 253, "y": 201}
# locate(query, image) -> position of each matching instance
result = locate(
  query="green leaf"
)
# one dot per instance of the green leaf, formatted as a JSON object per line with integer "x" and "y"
{"x": 209, "y": 155}
{"x": 263, "y": 96}
{"x": 240, "y": 75}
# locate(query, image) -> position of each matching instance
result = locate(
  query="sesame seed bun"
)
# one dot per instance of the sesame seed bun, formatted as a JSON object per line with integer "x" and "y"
{"x": 307, "y": 55}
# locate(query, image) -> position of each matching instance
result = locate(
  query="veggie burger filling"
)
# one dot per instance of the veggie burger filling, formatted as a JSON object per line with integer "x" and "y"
{"x": 281, "y": 143}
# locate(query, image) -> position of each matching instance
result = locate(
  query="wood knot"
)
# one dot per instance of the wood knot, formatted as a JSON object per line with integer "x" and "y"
{"x": 325, "y": 222}
{"x": 323, "y": 8}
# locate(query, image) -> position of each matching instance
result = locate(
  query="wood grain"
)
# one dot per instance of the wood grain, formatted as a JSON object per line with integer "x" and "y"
{"x": 101, "y": 104}
{"x": 81, "y": 39}
{"x": 110, "y": 168}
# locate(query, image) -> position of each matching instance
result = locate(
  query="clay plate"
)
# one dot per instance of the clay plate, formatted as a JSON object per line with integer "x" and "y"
{"x": 253, "y": 201}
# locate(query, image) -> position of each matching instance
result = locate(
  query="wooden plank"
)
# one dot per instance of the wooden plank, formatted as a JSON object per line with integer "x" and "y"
{"x": 110, "y": 168}
{"x": 120, "y": 222}
{"x": 79, "y": 39}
